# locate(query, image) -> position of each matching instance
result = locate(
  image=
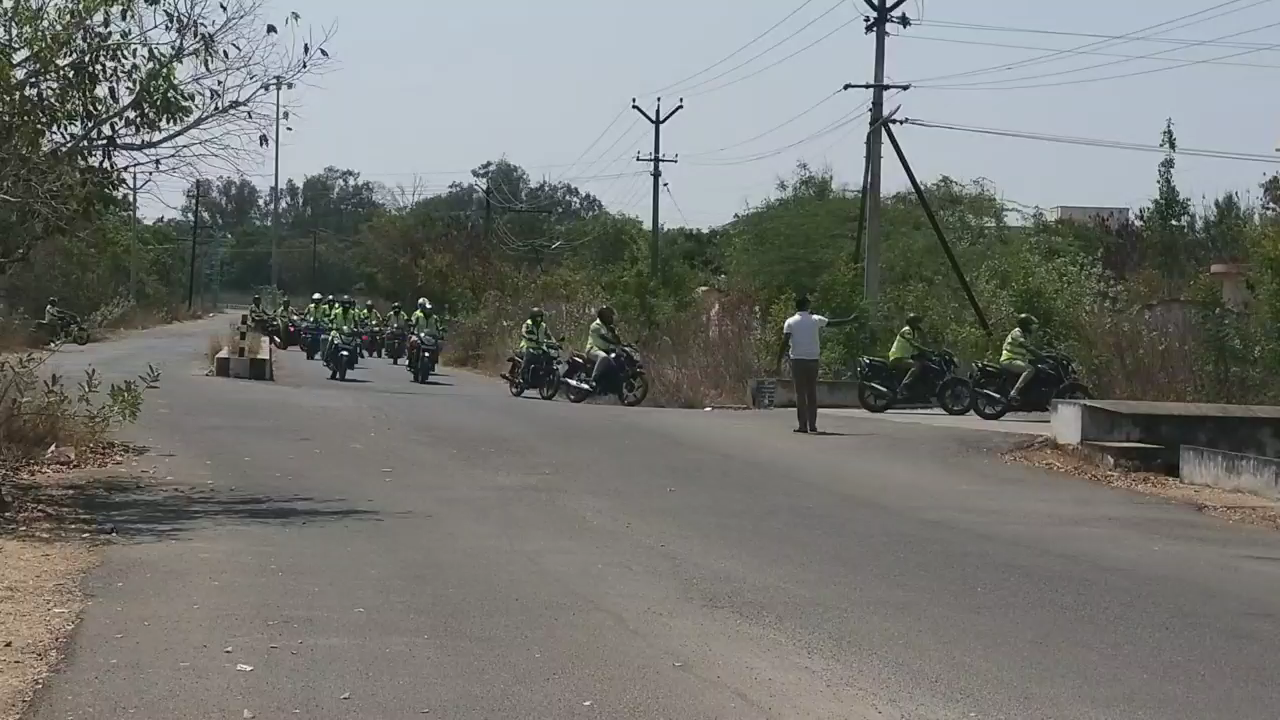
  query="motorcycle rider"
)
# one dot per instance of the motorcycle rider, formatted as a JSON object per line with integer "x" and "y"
{"x": 534, "y": 336}
{"x": 285, "y": 312}
{"x": 424, "y": 321}
{"x": 56, "y": 318}
{"x": 1017, "y": 354}
{"x": 602, "y": 340}
{"x": 258, "y": 315}
{"x": 396, "y": 318}
{"x": 316, "y": 312}
{"x": 371, "y": 316}
{"x": 907, "y": 351}
{"x": 344, "y": 318}
{"x": 331, "y": 306}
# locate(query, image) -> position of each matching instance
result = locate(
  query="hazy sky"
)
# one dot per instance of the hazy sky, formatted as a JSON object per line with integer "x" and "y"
{"x": 430, "y": 89}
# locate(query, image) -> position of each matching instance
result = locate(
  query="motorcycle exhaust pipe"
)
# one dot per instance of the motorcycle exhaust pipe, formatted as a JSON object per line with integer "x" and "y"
{"x": 990, "y": 394}
{"x": 579, "y": 385}
{"x": 877, "y": 388}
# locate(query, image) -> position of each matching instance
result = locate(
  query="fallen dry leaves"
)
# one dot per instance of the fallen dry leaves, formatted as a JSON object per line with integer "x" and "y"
{"x": 44, "y": 550}
{"x": 1230, "y": 505}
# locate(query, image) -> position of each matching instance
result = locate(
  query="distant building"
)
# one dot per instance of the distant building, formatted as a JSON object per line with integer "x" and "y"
{"x": 1090, "y": 214}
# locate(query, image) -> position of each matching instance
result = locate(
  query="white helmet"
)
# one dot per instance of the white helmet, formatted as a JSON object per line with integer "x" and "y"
{"x": 424, "y": 303}
{"x": 316, "y": 297}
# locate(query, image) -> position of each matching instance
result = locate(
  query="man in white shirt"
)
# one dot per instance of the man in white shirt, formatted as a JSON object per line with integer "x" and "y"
{"x": 800, "y": 336}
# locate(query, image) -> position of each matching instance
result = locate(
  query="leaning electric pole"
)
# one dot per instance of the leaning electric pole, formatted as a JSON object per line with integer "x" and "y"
{"x": 877, "y": 23}
{"x": 657, "y": 120}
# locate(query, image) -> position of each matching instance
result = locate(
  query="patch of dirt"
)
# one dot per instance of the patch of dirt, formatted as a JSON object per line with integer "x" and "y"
{"x": 45, "y": 550}
{"x": 1227, "y": 504}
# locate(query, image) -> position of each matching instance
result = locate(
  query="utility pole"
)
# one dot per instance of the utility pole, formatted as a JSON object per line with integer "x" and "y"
{"x": 657, "y": 120}
{"x": 314, "y": 236}
{"x": 275, "y": 195}
{"x": 133, "y": 244}
{"x": 195, "y": 233}
{"x": 879, "y": 24}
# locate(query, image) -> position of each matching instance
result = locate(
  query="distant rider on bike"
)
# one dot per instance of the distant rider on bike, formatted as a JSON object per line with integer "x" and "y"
{"x": 344, "y": 319}
{"x": 396, "y": 319}
{"x": 56, "y": 318}
{"x": 602, "y": 341}
{"x": 259, "y": 318}
{"x": 371, "y": 316}
{"x": 424, "y": 320}
{"x": 908, "y": 352}
{"x": 1017, "y": 354}
{"x": 534, "y": 336}
{"x": 316, "y": 312}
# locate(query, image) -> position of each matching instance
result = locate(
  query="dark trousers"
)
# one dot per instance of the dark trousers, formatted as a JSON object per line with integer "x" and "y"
{"x": 804, "y": 373}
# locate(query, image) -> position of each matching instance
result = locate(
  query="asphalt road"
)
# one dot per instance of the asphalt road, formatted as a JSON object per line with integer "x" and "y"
{"x": 452, "y": 549}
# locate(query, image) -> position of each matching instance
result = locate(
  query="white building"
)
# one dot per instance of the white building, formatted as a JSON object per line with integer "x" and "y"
{"x": 1090, "y": 214}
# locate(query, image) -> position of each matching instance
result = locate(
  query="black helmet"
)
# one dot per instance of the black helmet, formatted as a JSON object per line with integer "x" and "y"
{"x": 346, "y": 300}
{"x": 914, "y": 319}
{"x": 257, "y": 299}
{"x": 603, "y": 313}
{"x": 1027, "y": 322}
{"x": 536, "y": 312}
{"x": 53, "y": 301}
{"x": 395, "y": 306}
{"x": 368, "y": 303}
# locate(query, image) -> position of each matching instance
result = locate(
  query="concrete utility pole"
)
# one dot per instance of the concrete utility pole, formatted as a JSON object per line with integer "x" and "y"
{"x": 133, "y": 244}
{"x": 275, "y": 193}
{"x": 877, "y": 23}
{"x": 657, "y": 120}
{"x": 195, "y": 234}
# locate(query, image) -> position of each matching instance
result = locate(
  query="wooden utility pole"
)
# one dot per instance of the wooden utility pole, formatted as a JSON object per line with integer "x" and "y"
{"x": 657, "y": 120}
{"x": 878, "y": 23}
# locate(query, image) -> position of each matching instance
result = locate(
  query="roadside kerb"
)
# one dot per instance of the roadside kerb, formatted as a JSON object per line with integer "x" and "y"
{"x": 250, "y": 356}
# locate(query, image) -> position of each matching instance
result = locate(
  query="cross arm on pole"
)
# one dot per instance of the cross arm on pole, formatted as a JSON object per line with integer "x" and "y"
{"x": 641, "y": 110}
{"x": 679, "y": 106}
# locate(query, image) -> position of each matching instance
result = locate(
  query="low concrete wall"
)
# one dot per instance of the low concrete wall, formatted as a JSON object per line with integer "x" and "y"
{"x": 831, "y": 393}
{"x": 1246, "y": 429}
{"x": 1230, "y": 471}
{"x": 259, "y": 366}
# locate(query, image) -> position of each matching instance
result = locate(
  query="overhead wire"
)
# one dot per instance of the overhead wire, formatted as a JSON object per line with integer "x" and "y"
{"x": 771, "y": 130}
{"x": 734, "y": 54}
{"x": 1066, "y": 33}
{"x": 1122, "y": 39}
{"x": 992, "y": 84}
{"x": 1181, "y": 61}
{"x": 1093, "y": 142}
{"x": 773, "y": 64}
{"x": 667, "y": 186}
{"x": 599, "y": 137}
{"x": 686, "y": 89}
{"x": 838, "y": 124}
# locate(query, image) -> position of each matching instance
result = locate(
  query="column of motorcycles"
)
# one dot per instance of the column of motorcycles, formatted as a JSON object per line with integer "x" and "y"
{"x": 421, "y": 353}
{"x": 986, "y": 390}
{"x": 626, "y": 379}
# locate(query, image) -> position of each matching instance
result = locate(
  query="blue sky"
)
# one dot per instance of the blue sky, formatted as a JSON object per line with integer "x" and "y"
{"x": 425, "y": 87}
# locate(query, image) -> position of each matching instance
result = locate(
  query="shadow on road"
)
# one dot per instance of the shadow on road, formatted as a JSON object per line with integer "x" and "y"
{"x": 137, "y": 510}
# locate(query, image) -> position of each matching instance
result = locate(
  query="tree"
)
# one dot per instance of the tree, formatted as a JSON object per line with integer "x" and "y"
{"x": 92, "y": 88}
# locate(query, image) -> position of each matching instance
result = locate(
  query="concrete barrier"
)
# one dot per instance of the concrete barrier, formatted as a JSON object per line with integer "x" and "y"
{"x": 1230, "y": 471}
{"x": 1245, "y": 429}
{"x": 766, "y": 393}
{"x": 248, "y": 358}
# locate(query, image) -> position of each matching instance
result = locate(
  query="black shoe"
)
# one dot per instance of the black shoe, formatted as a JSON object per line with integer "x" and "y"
{"x": 801, "y": 430}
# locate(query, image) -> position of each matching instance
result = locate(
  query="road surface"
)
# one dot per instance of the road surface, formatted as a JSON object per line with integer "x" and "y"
{"x": 376, "y": 549}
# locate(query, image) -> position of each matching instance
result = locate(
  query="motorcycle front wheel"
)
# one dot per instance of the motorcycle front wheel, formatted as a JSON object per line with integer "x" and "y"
{"x": 634, "y": 390}
{"x": 577, "y": 394}
{"x": 80, "y": 336}
{"x": 989, "y": 408}
{"x": 550, "y": 386}
{"x": 955, "y": 396}
{"x": 515, "y": 385}
{"x": 1075, "y": 391}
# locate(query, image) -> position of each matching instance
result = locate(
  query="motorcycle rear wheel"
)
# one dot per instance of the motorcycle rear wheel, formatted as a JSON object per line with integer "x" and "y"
{"x": 342, "y": 373}
{"x": 955, "y": 396}
{"x": 871, "y": 401}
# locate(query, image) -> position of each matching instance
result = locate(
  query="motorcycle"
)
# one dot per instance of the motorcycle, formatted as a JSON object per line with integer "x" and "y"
{"x": 544, "y": 375}
{"x": 311, "y": 338}
{"x": 291, "y": 333}
{"x": 1056, "y": 378}
{"x": 393, "y": 344}
{"x": 879, "y": 383}
{"x": 424, "y": 354}
{"x": 626, "y": 380}
{"x": 68, "y": 329}
{"x": 372, "y": 342}
{"x": 341, "y": 357}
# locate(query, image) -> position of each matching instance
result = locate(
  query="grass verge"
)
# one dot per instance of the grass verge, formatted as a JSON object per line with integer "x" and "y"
{"x": 1229, "y": 505}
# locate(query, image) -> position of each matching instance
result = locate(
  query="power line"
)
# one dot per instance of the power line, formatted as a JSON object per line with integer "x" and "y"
{"x": 773, "y": 64}
{"x": 1137, "y": 73}
{"x": 1122, "y": 39}
{"x": 667, "y": 186}
{"x": 753, "y": 58}
{"x": 1113, "y": 63}
{"x": 1181, "y": 61}
{"x": 1094, "y": 142}
{"x": 733, "y": 54}
{"x": 838, "y": 124}
{"x": 1064, "y": 33}
{"x": 771, "y": 130}
{"x": 599, "y": 137}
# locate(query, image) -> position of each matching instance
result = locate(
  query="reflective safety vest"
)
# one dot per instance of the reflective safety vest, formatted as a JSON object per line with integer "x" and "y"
{"x": 316, "y": 313}
{"x": 424, "y": 324}
{"x": 397, "y": 319}
{"x": 534, "y": 336}
{"x": 599, "y": 337}
{"x": 1016, "y": 348}
{"x": 904, "y": 344}
{"x": 344, "y": 318}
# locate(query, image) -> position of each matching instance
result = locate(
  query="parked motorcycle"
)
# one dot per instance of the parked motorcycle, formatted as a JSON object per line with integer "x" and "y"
{"x": 937, "y": 386}
{"x": 70, "y": 329}
{"x": 544, "y": 375}
{"x": 393, "y": 344}
{"x": 1056, "y": 378}
{"x": 424, "y": 354}
{"x": 341, "y": 357}
{"x": 626, "y": 380}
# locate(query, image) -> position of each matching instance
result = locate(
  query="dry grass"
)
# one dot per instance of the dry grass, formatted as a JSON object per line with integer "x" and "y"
{"x": 1230, "y": 505}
